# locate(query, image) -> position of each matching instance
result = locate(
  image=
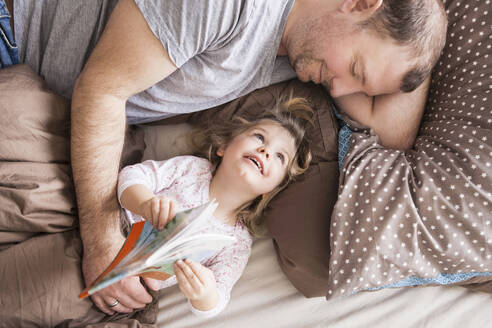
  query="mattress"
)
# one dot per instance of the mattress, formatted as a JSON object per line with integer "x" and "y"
{"x": 264, "y": 297}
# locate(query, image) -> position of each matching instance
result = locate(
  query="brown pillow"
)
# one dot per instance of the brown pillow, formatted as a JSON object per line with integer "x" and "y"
{"x": 422, "y": 217}
{"x": 298, "y": 218}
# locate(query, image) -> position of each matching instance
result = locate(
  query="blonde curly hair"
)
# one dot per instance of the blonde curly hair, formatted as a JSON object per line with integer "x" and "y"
{"x": 293, "y": 115}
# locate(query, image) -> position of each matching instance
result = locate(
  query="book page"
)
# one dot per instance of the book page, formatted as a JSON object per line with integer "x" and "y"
{"x": 148, "y": 249}
{"x": 197, "y": 248}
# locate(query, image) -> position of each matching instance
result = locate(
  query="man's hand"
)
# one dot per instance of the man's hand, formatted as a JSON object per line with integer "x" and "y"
{"x": 197, "y": 283}
{"x": 129, "y": 292}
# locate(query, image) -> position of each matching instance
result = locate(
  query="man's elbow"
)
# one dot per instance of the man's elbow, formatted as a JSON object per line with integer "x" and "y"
{"x": 400, "y": 142}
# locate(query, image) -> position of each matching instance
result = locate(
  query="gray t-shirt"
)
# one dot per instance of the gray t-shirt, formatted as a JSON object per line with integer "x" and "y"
{"x": 223, "y": 49}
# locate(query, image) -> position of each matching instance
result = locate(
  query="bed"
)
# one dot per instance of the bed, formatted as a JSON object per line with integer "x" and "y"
{"x": 263, "y": 297}
{"x": 292, "y": 270}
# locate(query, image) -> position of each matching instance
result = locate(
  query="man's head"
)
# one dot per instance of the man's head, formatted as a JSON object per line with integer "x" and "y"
{"x": 370, "y": 46}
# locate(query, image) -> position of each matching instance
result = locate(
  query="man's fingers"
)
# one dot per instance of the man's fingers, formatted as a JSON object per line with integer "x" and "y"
{"x": 129, "y": 292}
{"x": 133, "y": 293}
{"x": 153, "y": 284}
{"x": 101, "y": 305}
{"x": 115, "y": 305}
{"x": 126, "y": 302}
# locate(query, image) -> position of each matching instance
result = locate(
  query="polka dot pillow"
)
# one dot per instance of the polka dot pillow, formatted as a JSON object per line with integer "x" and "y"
{"x": 424, "y": 217}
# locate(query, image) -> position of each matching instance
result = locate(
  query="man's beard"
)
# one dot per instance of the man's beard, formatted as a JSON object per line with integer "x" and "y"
{"x": 301, "y": 65}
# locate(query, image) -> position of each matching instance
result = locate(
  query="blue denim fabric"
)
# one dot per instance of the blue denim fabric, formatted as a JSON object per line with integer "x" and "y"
{"x": 9, "y": 52}
{"x": 343, "y": 137}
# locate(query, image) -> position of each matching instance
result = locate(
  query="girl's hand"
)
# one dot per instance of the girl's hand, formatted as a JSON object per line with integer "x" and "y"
{"x": 197, "y": 283}
{"x": 158, "y": 211}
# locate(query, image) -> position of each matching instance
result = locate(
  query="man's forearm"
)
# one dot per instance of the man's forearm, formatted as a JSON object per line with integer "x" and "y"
{"x": 97, "y": 136}
{"x": 127, "y": 59}
{"x": 397, "y": 117}
{"x": 394, "y": 118}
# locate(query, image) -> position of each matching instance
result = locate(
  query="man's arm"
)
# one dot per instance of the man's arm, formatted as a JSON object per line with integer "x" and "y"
{"x": 395, "y": 118}
{"x": 127, "y": 59}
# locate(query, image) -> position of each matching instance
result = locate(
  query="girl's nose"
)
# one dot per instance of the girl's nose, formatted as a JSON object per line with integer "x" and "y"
{"x": 264, "y": 151}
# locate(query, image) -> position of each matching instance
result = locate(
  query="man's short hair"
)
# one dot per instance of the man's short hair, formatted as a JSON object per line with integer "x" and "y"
{"x": 419, "y": 24}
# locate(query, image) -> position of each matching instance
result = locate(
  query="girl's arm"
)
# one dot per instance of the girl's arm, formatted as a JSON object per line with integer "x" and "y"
{"x": 141, "y": 200}
{"x": 134, "y": 196}
{"x": 395, "y": 118}
{"x": 138, "y": 185}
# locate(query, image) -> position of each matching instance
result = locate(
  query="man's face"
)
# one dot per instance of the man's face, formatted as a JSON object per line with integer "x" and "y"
{"x": 346, "y": 60}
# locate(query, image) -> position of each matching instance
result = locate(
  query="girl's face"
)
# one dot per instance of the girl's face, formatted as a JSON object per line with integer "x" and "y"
{"x": 258, "y": 158}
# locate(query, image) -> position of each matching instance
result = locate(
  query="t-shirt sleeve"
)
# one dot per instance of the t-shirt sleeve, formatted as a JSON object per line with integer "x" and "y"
{"x": 189, "y": 27}
{"x": 158, "y": 175}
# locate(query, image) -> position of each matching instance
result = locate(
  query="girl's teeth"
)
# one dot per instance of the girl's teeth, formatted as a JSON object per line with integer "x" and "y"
{"x": 256, "y": 163}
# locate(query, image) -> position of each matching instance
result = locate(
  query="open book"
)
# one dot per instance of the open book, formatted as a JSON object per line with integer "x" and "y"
{"x": 151, "y": 253}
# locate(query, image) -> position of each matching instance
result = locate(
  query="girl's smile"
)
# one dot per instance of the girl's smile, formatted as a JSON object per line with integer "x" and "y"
{"x": 256, "y": 161}
{"x": 258, "y": 158}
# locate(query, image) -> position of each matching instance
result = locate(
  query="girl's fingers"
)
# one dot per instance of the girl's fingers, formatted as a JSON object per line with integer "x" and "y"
{"x": 195, "y": 269}
{"x": 183, "y": 283}
{"x": 164, "y": 212}
{"x": 190, "y": 275}
{"x": 155, "y": 211}
{"x": 172, "y": 210}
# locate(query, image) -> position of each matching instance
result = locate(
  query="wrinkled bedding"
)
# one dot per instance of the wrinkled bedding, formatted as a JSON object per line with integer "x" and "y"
{"x": 40, "y": 276}
{"x": 40, "y": 247}
{"x": 263, "y": 297}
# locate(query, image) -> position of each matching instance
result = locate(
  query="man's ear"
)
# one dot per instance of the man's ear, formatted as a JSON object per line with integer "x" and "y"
{"x": 364, "y": 7}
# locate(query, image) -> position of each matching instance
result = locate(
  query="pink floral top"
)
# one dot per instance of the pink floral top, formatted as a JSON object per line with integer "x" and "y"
{"x": 186, "y": 179}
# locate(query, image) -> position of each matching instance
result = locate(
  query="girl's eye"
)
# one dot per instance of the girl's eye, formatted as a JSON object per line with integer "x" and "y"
{"x": 281, "y": 157}
{"x": 259, "y": 137}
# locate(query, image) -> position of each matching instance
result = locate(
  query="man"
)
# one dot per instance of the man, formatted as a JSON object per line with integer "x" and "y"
{"x": 157, "y": 59}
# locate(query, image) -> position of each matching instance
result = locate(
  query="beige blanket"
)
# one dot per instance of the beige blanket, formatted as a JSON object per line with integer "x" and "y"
{"x": 40, "y": 247}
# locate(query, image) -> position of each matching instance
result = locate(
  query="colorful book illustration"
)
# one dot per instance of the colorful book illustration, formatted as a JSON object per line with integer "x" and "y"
{"x": 149, "y": 252}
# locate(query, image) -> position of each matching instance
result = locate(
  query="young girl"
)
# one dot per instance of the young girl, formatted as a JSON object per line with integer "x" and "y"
{"x": 249, "y": 162}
